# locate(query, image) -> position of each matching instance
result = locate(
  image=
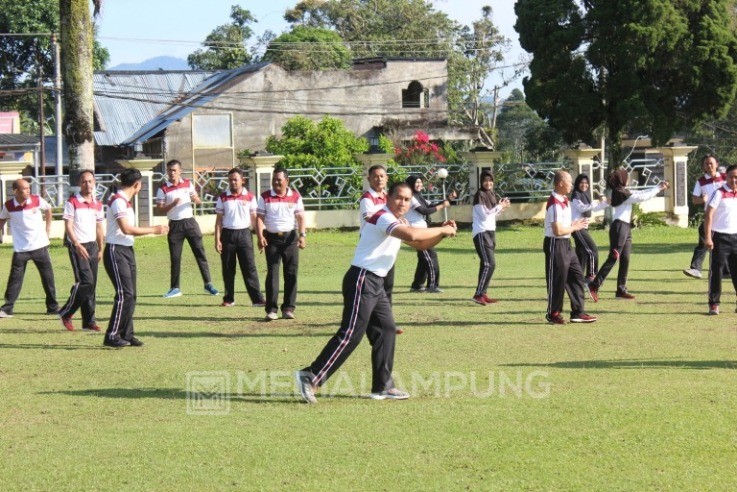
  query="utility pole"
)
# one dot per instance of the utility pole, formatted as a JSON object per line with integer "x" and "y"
{"x": 59, "y": 171}
{"x": 41, "y": 118}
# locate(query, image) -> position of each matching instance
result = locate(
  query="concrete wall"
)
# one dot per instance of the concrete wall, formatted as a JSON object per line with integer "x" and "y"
{"x": 361, "y": 98}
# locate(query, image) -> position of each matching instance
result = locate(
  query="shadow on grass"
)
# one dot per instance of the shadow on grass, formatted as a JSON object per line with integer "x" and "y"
{"x": 47, "y": 346}
{"x": 635, "y": 364}
{"x": 182, "y": 394}
{"x": 209, "y": 334}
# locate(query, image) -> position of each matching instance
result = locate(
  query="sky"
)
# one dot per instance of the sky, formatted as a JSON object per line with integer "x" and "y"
{"x": 136, "y": 30}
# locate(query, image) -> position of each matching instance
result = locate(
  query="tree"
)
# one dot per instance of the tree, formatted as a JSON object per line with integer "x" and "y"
{"x": 479, "y": 50}
{"x": 523, "y": 133}
{"x": 656, "y": 65}
{"x": 414, "y": 29}
{"x": 77, "y": 68}
{"x": 225, "y": 46}
{"x": 306, "y": 144}
{"x": 23, "y": 59}
{"x": 308, "y": 48}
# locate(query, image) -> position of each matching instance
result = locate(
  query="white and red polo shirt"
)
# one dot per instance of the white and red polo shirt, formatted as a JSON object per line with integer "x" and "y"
{"x": 706, "y": 185}
{"x": 279, "y": 212}
{"x": 236, "y": 209}
{"x": 370, "y": 203}
{"x": 119, "y": 207}
{"x": 85, "y": 215}
{"x": 557, "y": 210}
{"x": 27, "y": 223}
{"x": 377, "y": 250}
{"x": 724, "y": 200}
{"x": 170, "y": 192}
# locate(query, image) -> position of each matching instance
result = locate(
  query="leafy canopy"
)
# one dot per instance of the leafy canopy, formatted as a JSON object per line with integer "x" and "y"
{"x": 650, "y": 65}
{"x": 327, "y": 143}
{"x": 22, "y": 58}
{"x": 225, "y": 47}
{"x": 309, "y": 48}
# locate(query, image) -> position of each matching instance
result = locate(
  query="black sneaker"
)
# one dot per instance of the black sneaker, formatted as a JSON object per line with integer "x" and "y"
{"x": 134, "y": 342}
{"x": 115, "y": 342}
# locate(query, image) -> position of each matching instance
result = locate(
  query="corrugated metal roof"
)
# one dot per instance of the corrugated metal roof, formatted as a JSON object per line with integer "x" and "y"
{"x": 206, "y": 91}
{"x": 17, "y": 139}
{"x": 127, "y": 100}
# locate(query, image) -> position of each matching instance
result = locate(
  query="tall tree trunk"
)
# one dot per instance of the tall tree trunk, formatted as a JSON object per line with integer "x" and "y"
{"x": 77, "y": 67}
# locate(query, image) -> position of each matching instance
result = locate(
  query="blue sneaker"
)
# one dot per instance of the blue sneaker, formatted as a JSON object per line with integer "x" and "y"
{"x": 211, "y": 290}
{"x": 173, "y": 293}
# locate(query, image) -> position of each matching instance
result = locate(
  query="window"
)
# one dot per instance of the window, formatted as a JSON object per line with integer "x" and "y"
{"x": 212, "y": 131}
{"x": 414, "y": 96}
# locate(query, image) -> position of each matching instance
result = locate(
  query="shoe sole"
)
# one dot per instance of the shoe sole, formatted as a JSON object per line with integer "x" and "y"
{"x": 379, "y": 397}
{"x": 172, "y": 296}
{"x": 583, "y": 320}
{"x": 692, "y": 275}
{"x": 305, "y": 396}
{"x": 478, "y": 302}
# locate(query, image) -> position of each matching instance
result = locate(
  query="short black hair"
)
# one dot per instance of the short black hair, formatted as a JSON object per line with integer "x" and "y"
{"x": 236, "y": 170}
{"x": 731, "y": 167}
{"x": 282, "y": 170}
{"x": 173, "y": 162}
{"x": 83, "y": 172}
{"x": 396, "y": 186}
{"x": 129, "y": 177}
{"x": 375, "y": 167}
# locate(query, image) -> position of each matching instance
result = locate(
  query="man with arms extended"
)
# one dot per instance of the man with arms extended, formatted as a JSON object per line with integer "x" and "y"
{"x": 366, "y": 307}
{"x": 83, "y": 236}
{"x": 120, "y": 259}
{"x": 175, "y": 198}
{"x": 30, "y": 223}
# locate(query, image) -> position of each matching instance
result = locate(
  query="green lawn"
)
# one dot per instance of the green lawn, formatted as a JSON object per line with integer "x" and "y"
{"x": 643, "y": 399}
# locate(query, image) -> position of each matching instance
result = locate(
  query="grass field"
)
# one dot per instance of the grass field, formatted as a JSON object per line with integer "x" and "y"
{"x": 644, "y": 399}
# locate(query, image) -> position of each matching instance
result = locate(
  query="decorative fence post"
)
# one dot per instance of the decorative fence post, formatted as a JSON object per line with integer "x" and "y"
{"x": 480, "y": 161}
{"x": 144, "y": 201}
{"x": 676, "y": 172}
{"x": 583, "y": 163}
{"x": 9, "y": 172}
{"x": 261, "y": 167}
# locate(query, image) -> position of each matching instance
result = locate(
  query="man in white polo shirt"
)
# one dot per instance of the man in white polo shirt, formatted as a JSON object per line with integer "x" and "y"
{"x": 175, "y": 198}
{"x": 30, "y": 223}
{"x": 366, "y": 307}
{"x": 279, "y": 210}
{"x": 83, "y": 236}
{"x": 120, "y": 259}
{"x": 720, "y": 236}
{"x": 236, "y": 213}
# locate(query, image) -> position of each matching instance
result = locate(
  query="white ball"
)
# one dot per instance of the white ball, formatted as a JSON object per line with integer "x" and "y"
{"x": 442, "y": 173}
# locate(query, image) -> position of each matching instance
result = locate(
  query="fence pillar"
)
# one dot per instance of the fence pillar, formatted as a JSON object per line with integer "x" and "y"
{"x": 582, "y": 162}
{"x": 480, "y": 160}
{"x": 369, "y": 160}
{"x": 676, "y": 172}
{"x": 9, "y": 172}
{"x": 261, "y": 167}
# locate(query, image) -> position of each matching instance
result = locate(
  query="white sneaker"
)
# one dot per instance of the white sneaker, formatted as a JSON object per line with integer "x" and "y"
{"x": 392, "y": 394}
{"x": 3, "y": 314}
{"x": 271, "y": 317}
{"x": 305, "y": 386}
{"x": 692, "y": 272}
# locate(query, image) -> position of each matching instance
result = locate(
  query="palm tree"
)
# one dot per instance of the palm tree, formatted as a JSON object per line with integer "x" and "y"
{"x": 77, "y": 69}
